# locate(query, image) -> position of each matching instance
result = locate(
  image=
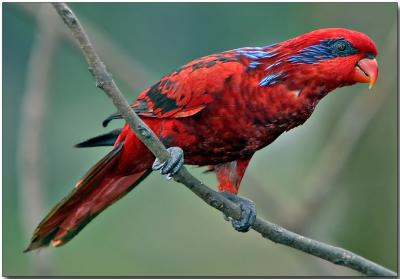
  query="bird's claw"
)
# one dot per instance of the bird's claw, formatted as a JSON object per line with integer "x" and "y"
{"x": 171, "y": 166}
{"x": 248, "y": 216}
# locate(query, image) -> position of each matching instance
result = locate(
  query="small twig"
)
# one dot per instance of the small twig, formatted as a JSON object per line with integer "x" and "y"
{"x": 213, "y": 198}
{"x": 30, "y": 140}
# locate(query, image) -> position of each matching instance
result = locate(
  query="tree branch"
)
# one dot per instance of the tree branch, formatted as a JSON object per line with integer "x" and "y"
{"x": 269, "y": 230}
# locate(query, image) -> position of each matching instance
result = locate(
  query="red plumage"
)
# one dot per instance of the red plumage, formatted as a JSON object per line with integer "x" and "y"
{"x": 219, "y": 109}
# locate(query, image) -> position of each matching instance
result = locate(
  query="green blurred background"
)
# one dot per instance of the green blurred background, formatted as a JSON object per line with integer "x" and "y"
{"x": 333, "y": 179}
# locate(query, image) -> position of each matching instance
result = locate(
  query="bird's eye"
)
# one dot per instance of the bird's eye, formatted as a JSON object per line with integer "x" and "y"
{"x": 341, "y": 46}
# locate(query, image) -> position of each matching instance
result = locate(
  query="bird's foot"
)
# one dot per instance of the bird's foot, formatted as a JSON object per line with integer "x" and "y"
{"x": 248, "y": 212}
{"x": 172, "y": 165}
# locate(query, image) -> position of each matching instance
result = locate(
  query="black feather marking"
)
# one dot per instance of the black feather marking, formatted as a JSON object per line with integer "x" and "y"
{"x": 115, "y": 115}
{"x": 198, "y": 65}
{"x": 226, "y": 59}
{"x": 160, "y": 100}
{"x": 211, "y": 63}
{"x": 228, "y": 80}
{"x": 141, "y": 106}
{"x": 214, "y": 60}
{"x": 175, "y": 129}
{"x": 168, "y": 84}
{"x": 107, "y": 139}
{"x": 166, "y": 140}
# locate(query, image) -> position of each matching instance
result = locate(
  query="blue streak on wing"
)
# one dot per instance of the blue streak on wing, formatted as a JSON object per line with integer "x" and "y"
{"x": 271, "y": 79}
{"x": 250, "y": 48}
{"x": 254, "y": 64}
{"x": 256, "y": 53}
{"x": 273, "y": 65}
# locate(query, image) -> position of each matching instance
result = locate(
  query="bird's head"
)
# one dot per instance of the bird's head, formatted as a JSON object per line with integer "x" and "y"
{"x": 324, "y": 59}
{"x": 335, "y": 56}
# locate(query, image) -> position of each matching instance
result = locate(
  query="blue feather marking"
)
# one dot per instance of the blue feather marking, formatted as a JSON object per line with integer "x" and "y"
{"x": 271, "y": 79}
{"x": 312, "y": 54}
{"x": 273, "y": 65}
{"x": 254, "y": 64}
{"x": 325, "y": 50}
{"x": 250, "y": 48}
{"x": 256, "y": 53}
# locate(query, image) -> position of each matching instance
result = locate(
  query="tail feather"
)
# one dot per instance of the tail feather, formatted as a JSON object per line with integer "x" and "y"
{"x": 93, "y": 193}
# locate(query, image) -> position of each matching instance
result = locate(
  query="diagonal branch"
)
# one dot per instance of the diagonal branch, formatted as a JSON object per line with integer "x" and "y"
{"x": 269, "y": 230}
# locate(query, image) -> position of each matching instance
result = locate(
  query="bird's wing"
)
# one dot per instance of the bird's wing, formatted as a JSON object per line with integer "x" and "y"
{"x": 188, "y": 90}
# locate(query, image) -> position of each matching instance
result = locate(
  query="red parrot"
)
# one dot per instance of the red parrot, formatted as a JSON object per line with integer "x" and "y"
{"x": 219, "y": 109}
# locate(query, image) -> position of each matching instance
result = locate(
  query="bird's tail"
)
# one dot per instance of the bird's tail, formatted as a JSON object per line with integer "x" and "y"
{"x": 92, "y": 194}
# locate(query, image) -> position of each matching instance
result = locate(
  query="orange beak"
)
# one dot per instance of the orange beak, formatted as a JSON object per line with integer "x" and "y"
{"x": 366, "y": 71}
